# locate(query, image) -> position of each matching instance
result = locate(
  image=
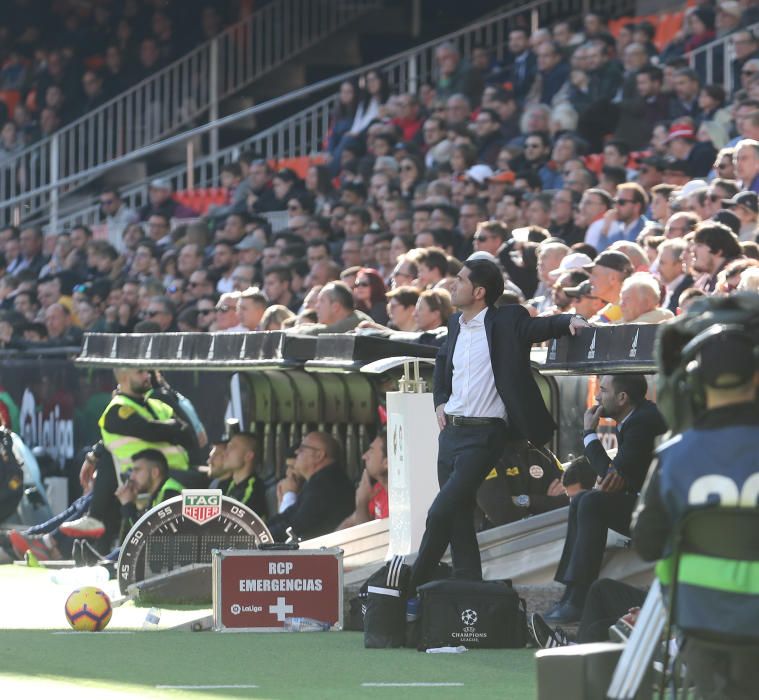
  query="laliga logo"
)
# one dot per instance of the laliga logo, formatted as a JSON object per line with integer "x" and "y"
{"x": 469, "y": 617}
{"x": 235, "y": 609}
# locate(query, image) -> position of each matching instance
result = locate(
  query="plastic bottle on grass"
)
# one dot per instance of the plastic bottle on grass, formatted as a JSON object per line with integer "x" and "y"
{"x": 152, "y": 619}
{"x": 305, "y": 624}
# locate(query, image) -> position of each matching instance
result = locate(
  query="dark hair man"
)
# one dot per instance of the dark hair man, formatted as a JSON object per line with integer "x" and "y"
{"x": 371, "y": 494}
{"x": 482, "y": 384}
{"x": 715, "y": 600}
{"x": 714, "y": 246}
{"x": 621, "y": 397}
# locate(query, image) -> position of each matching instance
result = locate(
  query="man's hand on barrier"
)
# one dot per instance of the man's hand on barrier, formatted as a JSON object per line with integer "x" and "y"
{"x": 612, "y": 482}
{"x": 440, "y": 412}
{"x": 577, "y": 323}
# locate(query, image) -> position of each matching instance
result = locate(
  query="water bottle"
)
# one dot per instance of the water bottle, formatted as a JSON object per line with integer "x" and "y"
{"x": 152, "y": 619}
{"x": 305, "y": 624}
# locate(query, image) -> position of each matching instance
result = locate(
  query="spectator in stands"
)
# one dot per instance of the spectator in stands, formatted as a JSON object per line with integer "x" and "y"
{"x": 672, "y": 271}
{"x": 30, "y": 255}
{"x": 117, "y": 217}
{"x": 335, "y": 311}
{"x": 161, "y": 311}
{"x": 250, "y": 308}
{"x": 433, "y": 309}
{"x": 627, "y": 219}
{"x": 745, "y": 205}
{"x": 714, "y": 246}
{"x": 455, "y": 75}
{"x": 401, "y": 306}
{"x": 226, "y": 318}
{"x": 621, "y": 397}
{"x": 583, "y": 301}
{"x": 523, "y": 68}
{"x": 746, "y": 164}
{"x": 607, "y": 273}
{"x": 278, "y": 287}
{"x": 639, "y": 300}
{"x": 371, "y": 493}
{"x": 369, "y": 295}
{"x": 317, "y": 495}
{"x": 161, "y": 202}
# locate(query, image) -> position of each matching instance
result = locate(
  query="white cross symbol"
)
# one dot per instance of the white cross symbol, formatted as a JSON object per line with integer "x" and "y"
{"x": 280, "y": 609}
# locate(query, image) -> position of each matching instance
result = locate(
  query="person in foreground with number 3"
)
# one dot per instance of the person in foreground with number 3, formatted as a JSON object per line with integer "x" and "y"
{"x": 484, "y": 396}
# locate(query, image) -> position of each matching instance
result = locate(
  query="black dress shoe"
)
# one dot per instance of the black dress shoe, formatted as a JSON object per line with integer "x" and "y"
{"x": 567, "y": 613}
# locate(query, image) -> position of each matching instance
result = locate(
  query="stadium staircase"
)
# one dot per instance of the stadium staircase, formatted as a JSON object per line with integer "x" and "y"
{"x": 297, "y": 139}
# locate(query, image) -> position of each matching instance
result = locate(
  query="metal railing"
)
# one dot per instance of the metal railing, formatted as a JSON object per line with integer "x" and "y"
{"x": 714, "y": 61}
{"x": 173, "y": 97}
{"x": 304, "y": 133}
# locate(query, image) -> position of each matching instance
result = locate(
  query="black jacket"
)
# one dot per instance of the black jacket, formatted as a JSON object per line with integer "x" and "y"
{"x": 674, "y": 300}
{"x": 327, "y": 498}
{"x": 635, "y": 450}
{"x": 511, "y": 332}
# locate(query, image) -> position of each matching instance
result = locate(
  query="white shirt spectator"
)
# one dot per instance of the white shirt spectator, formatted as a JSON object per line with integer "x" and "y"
{"x": 116, "y": 225}
{"x": 473, "y": 387}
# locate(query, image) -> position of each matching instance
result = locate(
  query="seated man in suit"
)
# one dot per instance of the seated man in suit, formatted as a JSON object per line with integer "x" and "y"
{"x": 623, "y": 398}
{"x": 326, "y": 496}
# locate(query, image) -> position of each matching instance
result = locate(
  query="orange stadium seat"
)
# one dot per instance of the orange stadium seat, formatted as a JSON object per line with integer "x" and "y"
{"x": 667, "y": 24}
{"x": 11, "y": 99}
{"x": 300, "y": 164}
{"x": 200, "y": 199}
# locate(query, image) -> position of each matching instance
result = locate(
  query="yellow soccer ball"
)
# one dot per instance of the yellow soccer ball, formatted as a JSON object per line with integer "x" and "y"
{"x": 88, "y": 609}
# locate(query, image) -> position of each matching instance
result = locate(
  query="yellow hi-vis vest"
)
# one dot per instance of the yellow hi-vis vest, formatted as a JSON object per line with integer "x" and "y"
{"x": 123, "y": 447}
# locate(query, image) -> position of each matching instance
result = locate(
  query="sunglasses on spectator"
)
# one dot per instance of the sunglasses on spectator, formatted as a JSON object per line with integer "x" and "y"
{"x": 624, "y": 201}
{"x": 154, "y": 313}
{"x": 481, "y": 237}
{"x": 205, "y": 312}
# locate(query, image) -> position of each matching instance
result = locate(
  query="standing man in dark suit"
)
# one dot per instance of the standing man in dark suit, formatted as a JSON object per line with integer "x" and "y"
{"x": 623, "y": 398}
{"x": 484, "y": 397}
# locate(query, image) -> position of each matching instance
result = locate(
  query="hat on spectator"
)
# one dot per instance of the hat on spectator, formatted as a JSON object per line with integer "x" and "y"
{"x": 479, "y": 173}
{"x": 653, "y": 161}
{"x": 574, "y": 262}
{"x": 692, "y": 187}
{"x": 675, "y": 165}
{"x": 612, "y": 259}
{"x": 386, "y": 162}
{"x": 681, "y": 131}
{"x": 251, "y": 243}
{"x": 483, "y": 255}
{"x": 584, "y": 289}
{"x": 725, "y": 216}
{"x": 161, "y": 183}
{"x": 743, "y": 199}
{"x": 731, "y": 7}
{"x": 506, "y": 176}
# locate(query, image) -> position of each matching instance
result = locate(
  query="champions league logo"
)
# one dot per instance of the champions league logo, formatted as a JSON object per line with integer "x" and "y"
{"x": 468, "y": 632}
{"x": 469, "y": 617}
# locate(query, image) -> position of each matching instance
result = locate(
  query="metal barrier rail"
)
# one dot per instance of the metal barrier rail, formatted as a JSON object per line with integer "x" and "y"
{"x": 304, "y": 133}
{"x": 173, "y": 97}
{"x": 717, "y": 57}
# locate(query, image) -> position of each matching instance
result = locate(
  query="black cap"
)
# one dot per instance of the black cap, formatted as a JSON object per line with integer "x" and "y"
{"x": 614, "y": 260}
{"x": 584, "y": 289}
{"x": 743, "y": 199}
{"x": 653, "y": 161}
{"x": 725, "y": 216}
{"x": 727, "y": 358}
{"x": 675, "y": 165}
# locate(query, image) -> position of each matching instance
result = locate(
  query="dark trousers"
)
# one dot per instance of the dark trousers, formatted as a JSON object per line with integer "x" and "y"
{"x": 465, "y": 456}
{"x": 607, "y": 601}
{"x": 721, "y": 671}
{"x": 591, "y": 513}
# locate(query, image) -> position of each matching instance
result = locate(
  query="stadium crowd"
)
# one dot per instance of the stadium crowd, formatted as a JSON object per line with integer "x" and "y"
{"x": 602, "y": 174}
{"x": 60, "y": 60}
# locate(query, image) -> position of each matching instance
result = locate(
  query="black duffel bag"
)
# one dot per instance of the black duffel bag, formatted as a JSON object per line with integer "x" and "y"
{"x": 474, "y": 614}
{"x": 385, "y": 614}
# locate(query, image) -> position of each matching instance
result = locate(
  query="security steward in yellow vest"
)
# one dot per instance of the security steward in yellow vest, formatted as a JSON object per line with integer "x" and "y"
{"x": 149, "y": 474}
{"x": 133, "y": 422}
{"x": 244, "y": 485}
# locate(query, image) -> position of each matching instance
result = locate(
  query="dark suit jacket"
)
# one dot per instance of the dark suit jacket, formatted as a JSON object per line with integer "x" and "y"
{"x": 511, "y": 332}
{"x": 674, "y": 301}
{"x": 326, "y": 499}
{"x": 635, "y": 440}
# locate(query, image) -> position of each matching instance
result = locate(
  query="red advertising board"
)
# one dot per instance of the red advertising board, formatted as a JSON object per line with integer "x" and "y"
{"x": 259, "y": 589}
